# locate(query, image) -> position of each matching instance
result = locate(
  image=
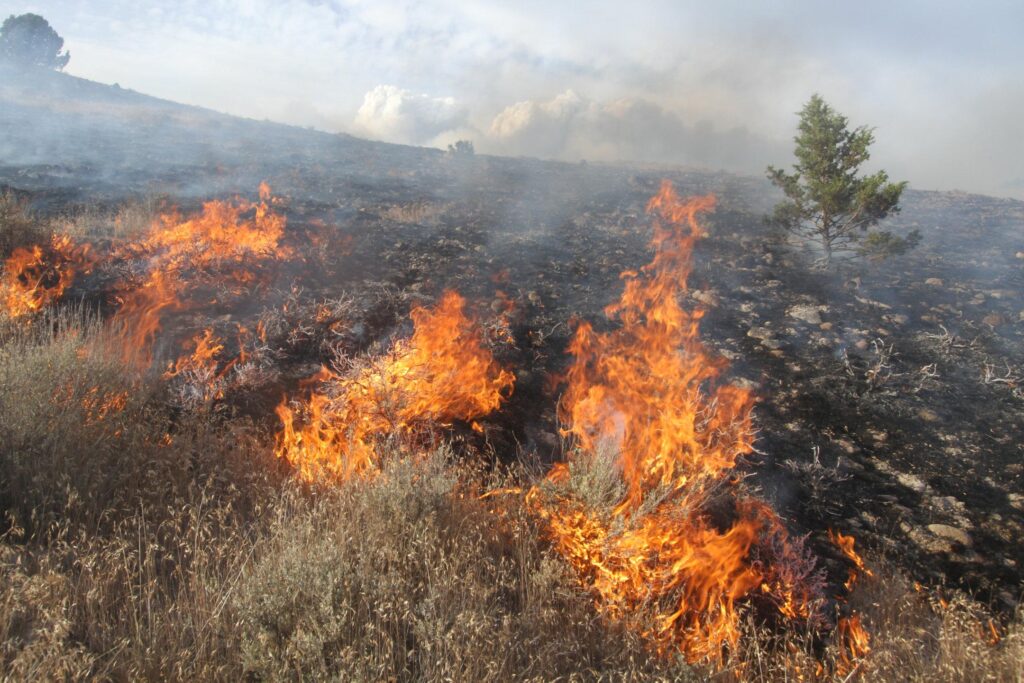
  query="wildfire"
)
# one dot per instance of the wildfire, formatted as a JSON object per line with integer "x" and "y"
{"x": 641, "y": 402}
{"x": 854, "y": 642}
{"x": 203, "y": 360}
{"x": 444, "y": 372}
{"x": 226, "y": 238}
{"x": 36, "y": 276}
{"x": 845, "y": 544}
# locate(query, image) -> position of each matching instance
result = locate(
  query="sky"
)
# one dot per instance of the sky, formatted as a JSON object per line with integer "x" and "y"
{"x": 714, "y": 84}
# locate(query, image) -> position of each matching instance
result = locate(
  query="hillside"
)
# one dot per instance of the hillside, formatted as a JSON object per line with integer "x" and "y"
{"x": 889, "y": 396}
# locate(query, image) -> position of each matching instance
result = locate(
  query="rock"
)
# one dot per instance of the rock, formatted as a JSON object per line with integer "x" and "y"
{"x": 808, "y": 314}
{"x": 912, "y": 482}
{"x": 993, "y": 320}
{"x": 861, "y": 344}
{"x": 897, "y": 318}
{"x": 1020, "y": 254}
{"x": 951, "y": 533}
{"x": 825, "y": 327}
{"x": 706, "y": 298}
{"x": 761, "y": 333}
{"x": 934, "y": 282}
{"x": 928, "y": 415}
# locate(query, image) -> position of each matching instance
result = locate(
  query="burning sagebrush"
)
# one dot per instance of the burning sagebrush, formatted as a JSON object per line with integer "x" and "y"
{"x": 670, "y": 546}
{"x": 443, "y": 373}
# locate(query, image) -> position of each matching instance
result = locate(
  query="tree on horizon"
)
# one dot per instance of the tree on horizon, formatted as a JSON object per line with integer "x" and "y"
{"x": 29, "y": 40}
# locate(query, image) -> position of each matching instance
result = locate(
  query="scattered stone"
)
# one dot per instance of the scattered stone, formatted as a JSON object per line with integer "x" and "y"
{"x": 705, "y": 297}
{"x": 912, "y": 482}
{"x": 897, "y": 318}
{"x": 807, "y": 313}
{"x": 760, "y": 333}
{"x": 825, "y": 327}
{"x": 993, "y": 320}
{"x": 951, "y": 533}
{"x": 934, "y": 282}
{"x": 928, "y": 415}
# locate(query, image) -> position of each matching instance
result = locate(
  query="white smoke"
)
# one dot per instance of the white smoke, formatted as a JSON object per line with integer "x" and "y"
{"x": 395, "y": 115}
{"x": 572, "y": 127}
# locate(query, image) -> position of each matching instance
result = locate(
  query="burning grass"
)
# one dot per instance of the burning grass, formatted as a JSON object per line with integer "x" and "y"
{"x": 671, "y": 546}
{"x": 149, "y": 537}
{"x": 442, "y": 373}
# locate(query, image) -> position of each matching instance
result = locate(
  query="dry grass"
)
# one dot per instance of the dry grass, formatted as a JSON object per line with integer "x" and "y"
{"x": 127, "y": 221}
{"x": 919, "y": 637}
{"x": 409, "y": 577}
{"x": 18, "y": 227}
{"x": 155, "y": 543}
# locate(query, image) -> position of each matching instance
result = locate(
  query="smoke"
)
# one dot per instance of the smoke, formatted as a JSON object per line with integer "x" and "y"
{"x": 712, "y": 84}
{"x": 572, "y": 127}
{"x": 396, "y": 115}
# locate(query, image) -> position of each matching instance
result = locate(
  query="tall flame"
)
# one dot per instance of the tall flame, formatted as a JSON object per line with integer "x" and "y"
{"x": 443, "y": 373}
{"x": 644, "y": 392}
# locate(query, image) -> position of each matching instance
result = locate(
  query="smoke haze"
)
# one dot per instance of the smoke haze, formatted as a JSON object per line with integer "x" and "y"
{"x": 715, "y": 84}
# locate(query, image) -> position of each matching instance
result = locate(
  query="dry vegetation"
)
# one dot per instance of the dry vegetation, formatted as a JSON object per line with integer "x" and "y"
{"x": 144, "y": 541}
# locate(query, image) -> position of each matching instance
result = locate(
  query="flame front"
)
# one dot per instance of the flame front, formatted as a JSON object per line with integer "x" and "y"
{"x": 655, "y": 556}
{"x": 34, "y": 277}
{"x": 222, "y": 244}
{"x": 443, "y": 373}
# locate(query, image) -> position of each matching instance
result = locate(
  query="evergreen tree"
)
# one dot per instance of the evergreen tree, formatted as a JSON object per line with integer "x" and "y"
{"x": 29, "y": 40}
{"x": 826, "y": 202}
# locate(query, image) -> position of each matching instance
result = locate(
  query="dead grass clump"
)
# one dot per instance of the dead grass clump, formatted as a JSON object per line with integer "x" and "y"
{"x": 125, "y": 523}
{"x": 85, "y": 440}
{"x": 18, "y": 228}
{"x": 916, "y": 636}
{"x": 408, "y": 576}
{"x": 417, "y": 213}
{"x": 127, "y": 221}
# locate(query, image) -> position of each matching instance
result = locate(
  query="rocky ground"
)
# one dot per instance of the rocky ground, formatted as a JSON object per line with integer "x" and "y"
{"x": 891, "y": 396}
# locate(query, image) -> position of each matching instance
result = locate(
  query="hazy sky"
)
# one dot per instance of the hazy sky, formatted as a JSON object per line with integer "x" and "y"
{"x": 715, "y": 83}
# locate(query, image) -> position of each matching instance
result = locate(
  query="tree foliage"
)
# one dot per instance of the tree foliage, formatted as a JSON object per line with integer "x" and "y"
{"x": 29, "y": 40}
{"x": 826, "y": 202}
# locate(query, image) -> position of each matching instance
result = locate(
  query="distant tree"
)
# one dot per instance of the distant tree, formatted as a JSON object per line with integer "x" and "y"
{"x": 29, "y": 40}
{"x": 462, "y": 148}
{"x": 826, "y": 202}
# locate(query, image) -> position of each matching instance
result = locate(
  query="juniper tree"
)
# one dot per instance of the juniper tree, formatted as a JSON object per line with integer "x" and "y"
{"x": 29, "y": 40}
{"x": 826, "y": 202}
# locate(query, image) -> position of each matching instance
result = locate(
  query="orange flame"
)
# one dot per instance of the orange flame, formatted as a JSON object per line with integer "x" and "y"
{"x": 37, "y": 276}
{"x": 203, "y": 360}
{"x": 845, "y": 544}
{"x": 854, "y": 642}
{"x": 644, "y": 393}
{"x": 443, "y": 373}
{"x": 225, "y": 235}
